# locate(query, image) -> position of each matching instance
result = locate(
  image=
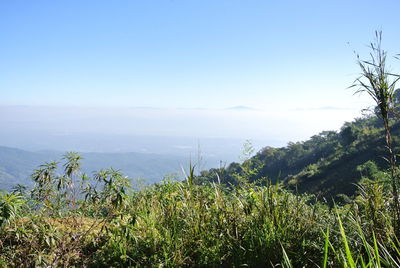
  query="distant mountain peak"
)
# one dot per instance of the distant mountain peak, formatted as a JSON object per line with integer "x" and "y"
{"x": 240, "y": 107}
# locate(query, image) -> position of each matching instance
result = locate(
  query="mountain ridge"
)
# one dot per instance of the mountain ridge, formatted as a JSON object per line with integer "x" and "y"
{"x": 16, "y": 165}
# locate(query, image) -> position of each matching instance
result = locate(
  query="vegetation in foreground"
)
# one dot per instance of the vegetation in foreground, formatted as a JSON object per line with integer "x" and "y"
{"x": 73, "y": 220}
{"x": 182, "y": 224}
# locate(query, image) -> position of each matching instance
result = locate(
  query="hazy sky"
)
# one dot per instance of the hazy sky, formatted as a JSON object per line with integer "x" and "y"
{"x": 187, "y": 60}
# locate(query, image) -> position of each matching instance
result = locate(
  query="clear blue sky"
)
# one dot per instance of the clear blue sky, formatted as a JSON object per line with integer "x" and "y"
{"x": 279, "y": 56}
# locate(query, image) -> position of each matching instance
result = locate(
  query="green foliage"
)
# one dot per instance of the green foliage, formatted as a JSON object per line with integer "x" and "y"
{"x": 11, "y": 206}
{"x": 113, "y": 191}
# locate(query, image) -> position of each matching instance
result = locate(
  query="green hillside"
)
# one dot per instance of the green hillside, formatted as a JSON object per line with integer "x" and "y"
{"x": 328, "y": 164}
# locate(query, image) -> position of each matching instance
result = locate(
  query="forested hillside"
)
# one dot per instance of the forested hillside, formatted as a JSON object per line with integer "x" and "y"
{"x": 328, "y": 164}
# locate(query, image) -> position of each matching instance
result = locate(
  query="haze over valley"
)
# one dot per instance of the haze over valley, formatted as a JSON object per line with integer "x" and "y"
{"x": 127, "y": 138}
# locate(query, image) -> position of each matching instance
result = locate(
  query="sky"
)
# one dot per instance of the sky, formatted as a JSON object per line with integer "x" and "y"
{"x": 273, "y": 70}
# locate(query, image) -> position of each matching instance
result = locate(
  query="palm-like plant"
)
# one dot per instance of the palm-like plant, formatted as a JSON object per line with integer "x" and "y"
{"x": 10, "y": 205}
{"x": 379, "y": 83}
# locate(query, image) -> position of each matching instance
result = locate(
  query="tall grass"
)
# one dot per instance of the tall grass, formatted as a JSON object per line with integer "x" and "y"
{"x": 176, "y": 224}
